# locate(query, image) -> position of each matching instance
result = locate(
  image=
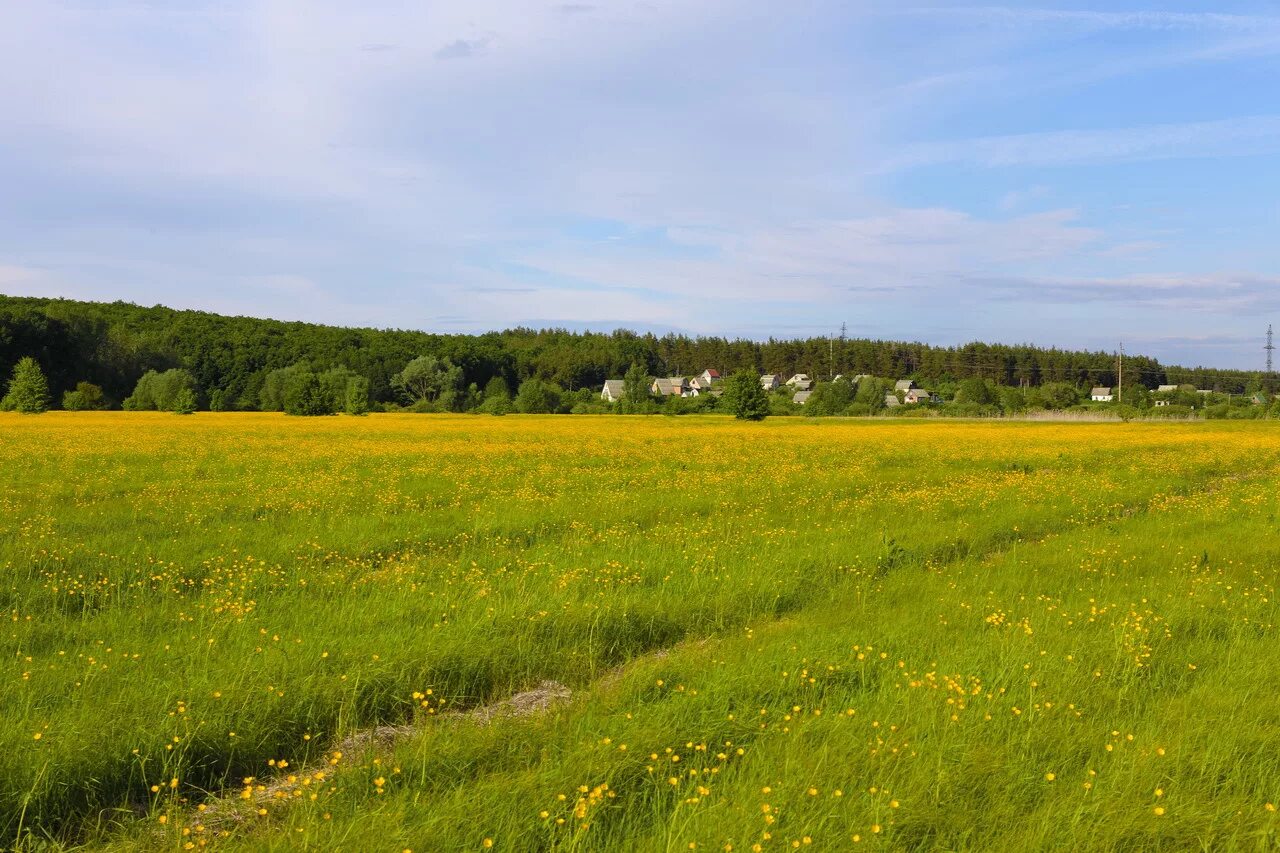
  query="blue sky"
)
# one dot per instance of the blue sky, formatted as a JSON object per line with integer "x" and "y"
{"x": 1069, "y": 174}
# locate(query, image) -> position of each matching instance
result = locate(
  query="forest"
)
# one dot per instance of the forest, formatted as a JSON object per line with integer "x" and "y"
{"x": 231, "y": 360}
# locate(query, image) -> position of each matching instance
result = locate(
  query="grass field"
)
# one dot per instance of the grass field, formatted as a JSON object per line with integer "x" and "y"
{"x": 837, "y": 635}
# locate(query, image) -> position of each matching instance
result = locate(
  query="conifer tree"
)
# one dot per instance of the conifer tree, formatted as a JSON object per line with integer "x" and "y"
{"x": 28, "y": 389}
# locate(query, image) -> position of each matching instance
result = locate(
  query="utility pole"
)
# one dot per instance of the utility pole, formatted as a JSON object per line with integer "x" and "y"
{"x": 1120, "y": 378}
{"x": 1270, "y": 348}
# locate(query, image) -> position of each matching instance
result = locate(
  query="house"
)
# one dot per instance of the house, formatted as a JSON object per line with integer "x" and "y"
{"x": 904, "y": 385}
{"x": 918, "y": 395}
{"x": 612, "y": 390}
{"x": 674, "y": 386}
{"x": 1166, "y": 389}
{"x": 801, "y": 397}
{"x": 1101, "y": 395}
{"x": 701, "y": 382}
{"x": 770, "y": 381}
{"x": 709, "y": 376}
{"x": 800, "y": 382}
{"x": 891, "y": 400}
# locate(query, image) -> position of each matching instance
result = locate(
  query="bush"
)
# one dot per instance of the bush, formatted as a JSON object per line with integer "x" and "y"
{"x": 157, "y": 391}
{"x": 1171, "y": 411}
{"x": 85, "y": 397}
{"x": 28, "y": 389}
{"x": 306, "y": 396}
{"x": 829, "y": 398}
{"x": 184, "y": 402}
{"x": 744, "y": 396}
{"x": 498, "y": 404}
{"x": 537, "y": 397}
{"x": 357, "y": 397}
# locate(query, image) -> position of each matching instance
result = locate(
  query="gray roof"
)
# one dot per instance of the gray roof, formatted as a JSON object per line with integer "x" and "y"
{"x": 612, "y": 387}
{"x": 904, "y": 385}
{"x": 1100, "y": 392}
{"x": 672, "y": 385}
{"x": 891, "y": 400}
{"x": 1167, "y": 388}
{"x": 801, "y": 396}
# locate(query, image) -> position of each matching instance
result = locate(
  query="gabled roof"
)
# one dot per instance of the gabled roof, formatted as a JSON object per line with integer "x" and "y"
{"x": 1100, "y": 392}
{"x": 904, "y": 385}
{"x": 801, "y": 396}
{"x": 1163, "y": 388}
{"x": 711, "y": 373}
{"x": 613, "y": 388}
{"x": 892, "y": 400}
{"x": 668, "y": 385}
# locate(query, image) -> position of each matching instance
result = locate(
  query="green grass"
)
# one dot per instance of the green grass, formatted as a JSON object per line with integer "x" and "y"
{"x": 945, "y": 613}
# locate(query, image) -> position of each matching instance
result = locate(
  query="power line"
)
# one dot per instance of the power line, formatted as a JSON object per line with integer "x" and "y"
{"x": 1270, "y": 348}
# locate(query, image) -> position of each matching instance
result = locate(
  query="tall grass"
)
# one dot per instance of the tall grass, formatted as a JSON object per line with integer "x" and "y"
{"x": 961, "y": 616}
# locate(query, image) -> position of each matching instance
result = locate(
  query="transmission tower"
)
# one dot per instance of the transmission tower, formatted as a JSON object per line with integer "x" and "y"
{"x": 1270, "y": 348}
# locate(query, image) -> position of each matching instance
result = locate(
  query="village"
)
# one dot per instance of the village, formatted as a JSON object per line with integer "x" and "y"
{"x": 906, "y": 392}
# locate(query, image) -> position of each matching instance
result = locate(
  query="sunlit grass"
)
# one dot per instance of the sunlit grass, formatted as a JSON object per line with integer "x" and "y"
{"x": 960, "y": 635}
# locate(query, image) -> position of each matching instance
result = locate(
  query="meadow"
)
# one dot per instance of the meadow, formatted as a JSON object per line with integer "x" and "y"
{"x": 826, "y": 635}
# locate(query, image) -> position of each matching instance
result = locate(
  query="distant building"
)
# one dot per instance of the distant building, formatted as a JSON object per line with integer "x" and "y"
{"x": 703, "y": 382}
{"x": 800, "y": 382}
{"x": 801, "y": 397}
{"x": 904, "y": 385}
{"x": 917, "y": 395}
{"x": 673, "y": 386}
{"x": 612, "y": 390}
{"x": 891, "y": 400}
{"x": 770, "y": 381}
{"x": 1166, "y": 389}
{"x": 1101, "y": 395}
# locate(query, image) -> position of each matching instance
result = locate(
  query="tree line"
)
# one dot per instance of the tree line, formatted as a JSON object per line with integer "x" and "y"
{"x": 123, "y": 355}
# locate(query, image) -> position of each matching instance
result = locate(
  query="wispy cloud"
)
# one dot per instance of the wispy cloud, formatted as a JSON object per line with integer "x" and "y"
{"x": 1112, "y": 20}
{"x": 1212, "y": 293}
{"x": 1224, "y": 138}
{"x": 462, "y": 48}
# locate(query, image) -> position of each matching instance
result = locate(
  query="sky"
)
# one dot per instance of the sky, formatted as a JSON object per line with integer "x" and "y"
{"x": 1072, "y": 175}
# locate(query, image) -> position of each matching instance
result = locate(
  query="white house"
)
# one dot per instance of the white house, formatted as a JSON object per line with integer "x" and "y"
{"x": 612, "y": 390}
{"x": 703, "y": 382}
{"x": 770, "y": 381}
{"x": 800, "y": 382}
{"x": 1101, "y": 395}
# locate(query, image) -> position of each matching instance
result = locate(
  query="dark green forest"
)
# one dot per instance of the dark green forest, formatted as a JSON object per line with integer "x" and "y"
{"x": 113, "y": 344}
